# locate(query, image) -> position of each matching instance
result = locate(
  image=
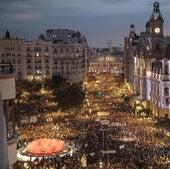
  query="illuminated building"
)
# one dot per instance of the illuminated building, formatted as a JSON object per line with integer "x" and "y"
{"x": 105, "y": 64}
{"x": 60, "y": 52}
{"x": 11, "y": 51}
{"x": 146, "y": 65}
{"x": 70, "y": 50}
{"x": 37, "y": 56}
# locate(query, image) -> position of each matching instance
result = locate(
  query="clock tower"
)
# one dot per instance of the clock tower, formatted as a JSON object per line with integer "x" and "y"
{"x": 156, "y": 30}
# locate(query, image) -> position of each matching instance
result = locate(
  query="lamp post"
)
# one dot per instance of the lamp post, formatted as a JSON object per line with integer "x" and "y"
{"x": 100, "y": 164}
{"x": 83, "y": 130}
{"x": 103, "y": 138}
{"x": 107, "y": 155}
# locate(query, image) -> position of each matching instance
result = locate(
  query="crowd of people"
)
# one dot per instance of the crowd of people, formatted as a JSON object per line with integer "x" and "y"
{"x": 124, "y": 142}
{"x": 148, "y": 149}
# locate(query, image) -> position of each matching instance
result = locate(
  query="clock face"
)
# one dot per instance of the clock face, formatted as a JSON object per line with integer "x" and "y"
{"x": 157, "y": 30}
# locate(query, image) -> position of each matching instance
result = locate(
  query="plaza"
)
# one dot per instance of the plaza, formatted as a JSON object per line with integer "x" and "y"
{"x": 106, "y": 130}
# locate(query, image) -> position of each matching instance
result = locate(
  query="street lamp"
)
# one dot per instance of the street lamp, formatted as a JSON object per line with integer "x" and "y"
{"x": 100, "y": 164}
{"x": 102, "y": 137}
{"x": 107, "y": 155}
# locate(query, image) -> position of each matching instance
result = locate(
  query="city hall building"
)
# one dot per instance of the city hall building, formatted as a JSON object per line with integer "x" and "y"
{"x": 147, "y": 66}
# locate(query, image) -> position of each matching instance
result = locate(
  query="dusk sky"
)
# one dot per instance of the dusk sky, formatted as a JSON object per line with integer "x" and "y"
{"x": 98, "y": 20}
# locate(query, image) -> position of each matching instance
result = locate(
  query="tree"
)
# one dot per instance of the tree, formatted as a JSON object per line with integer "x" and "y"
{"x": 27, "y": 98}
{"x": 73, "y": 96}
{"x": 65, "y": 94}
{"x": 126, "y": 99}
{"x": 56, "y": 82}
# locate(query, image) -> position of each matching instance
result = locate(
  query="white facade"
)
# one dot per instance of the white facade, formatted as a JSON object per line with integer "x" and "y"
{"x": 105, "y": 63}
{"x": 60, "y": 52}
{"x": 38, "y": 59}
{"x": 11, "y": 51}
{"x": 146, "y": 69}
{"x": 160, "y": 87}
{"x": 70, "y": 61}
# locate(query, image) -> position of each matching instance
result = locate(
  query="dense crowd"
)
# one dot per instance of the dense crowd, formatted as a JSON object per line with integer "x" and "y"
{"x": 148, "y": 149}
{"x": 135, "y": 142}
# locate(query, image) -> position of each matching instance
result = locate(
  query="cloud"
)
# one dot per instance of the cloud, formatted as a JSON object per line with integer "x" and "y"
{"x": 34, "y": 9}
{"x": 94, "y": 18}
{"x": 17, "y": 9}
{"x": 115, "y": 1}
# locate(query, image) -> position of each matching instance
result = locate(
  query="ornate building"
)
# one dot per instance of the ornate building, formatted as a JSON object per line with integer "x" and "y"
{"x": 141, "y": 54}
{"x": 70, "y": 50}
{"x": 38, "y": 59}
{"x": 105, "y": 63}
{"x": 160, "y": 85}
{"x": 60, "y": 52}
{"x": 11, "y": 51}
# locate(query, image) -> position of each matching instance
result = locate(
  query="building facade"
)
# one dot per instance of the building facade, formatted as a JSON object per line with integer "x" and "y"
{"x": 70, "y": 54}
{"x": 38, "y": 59}
{"x": 60, "y": 52}
{"x": 160, "y": 86}
{"x": 141, "y": 53}
{"x": 105, "y": 63}
{"x": 11, "y": 51}
{"x": 7, "y": 92}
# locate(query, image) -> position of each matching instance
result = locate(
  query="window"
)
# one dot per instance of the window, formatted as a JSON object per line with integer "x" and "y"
{"x": 167, "y": 101}
{"x": 8, "y": 54}
{"x": 55, "y": 50}
{"x": 18, "y": 48}
{"x": 28, "y": 67}
{"x": 19, "y": 61}
{"x": 28, "y": 61}
{"x": 166, "y": 69}
{"x": 157, "y": 47}
{"x": 46, "y": 48}
{"x": 166, "y": 91}
{"x": 28, "y": 49}
{"x": 37, "y": 49}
